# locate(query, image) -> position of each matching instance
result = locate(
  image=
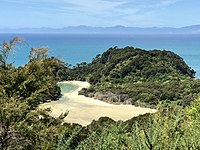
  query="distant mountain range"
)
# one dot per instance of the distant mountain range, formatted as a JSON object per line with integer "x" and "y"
{"x": 194, "y": 29}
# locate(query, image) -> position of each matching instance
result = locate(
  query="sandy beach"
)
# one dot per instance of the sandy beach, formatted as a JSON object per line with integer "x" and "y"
{"x": 83, "y": 110}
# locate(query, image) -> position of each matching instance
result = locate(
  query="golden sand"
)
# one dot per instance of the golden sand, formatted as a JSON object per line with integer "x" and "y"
{"x": 84, "y": 110}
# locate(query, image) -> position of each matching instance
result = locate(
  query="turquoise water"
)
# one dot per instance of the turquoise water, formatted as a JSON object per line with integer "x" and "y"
{"x": 67, "y": 87}
{"x": 76, "y": 48}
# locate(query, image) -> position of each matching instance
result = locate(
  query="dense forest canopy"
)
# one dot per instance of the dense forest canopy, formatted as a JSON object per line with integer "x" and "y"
{"x": 134, "y": 64}
{"x": 137, "y": 75}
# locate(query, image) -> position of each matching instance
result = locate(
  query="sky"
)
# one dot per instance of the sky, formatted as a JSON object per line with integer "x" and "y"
{"x": 100, "y": 13}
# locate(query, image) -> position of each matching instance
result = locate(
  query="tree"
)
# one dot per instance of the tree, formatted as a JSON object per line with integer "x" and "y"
{"x": 6, "y": 48}
{"x": 38, "y": 54}
{"x": 11, "y": 113}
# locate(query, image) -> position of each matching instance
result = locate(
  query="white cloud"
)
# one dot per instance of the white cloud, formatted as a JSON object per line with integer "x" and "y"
{"x": 166, "y": 3}
{"x": 94, "y": 12}
{"x": 94, "y": 6}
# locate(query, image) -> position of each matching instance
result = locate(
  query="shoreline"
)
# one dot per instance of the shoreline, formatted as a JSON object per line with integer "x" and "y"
{"x": 83, "y": 110}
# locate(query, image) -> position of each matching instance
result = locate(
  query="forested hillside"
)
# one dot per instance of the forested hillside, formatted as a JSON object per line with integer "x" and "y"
{"x": 133, "y": 64}
{"x": 136, "y": 76}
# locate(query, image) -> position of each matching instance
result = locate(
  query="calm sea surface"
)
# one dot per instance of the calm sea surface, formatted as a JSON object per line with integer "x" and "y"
{"x": 76, "y": 48}
{"x": 65, "y": 88}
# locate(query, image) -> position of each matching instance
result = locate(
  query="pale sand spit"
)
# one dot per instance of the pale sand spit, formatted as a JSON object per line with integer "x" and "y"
{"x": 84, "y": 110}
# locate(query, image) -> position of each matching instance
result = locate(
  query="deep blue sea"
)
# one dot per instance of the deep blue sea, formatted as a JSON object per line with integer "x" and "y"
{"x": 76, "y": 48}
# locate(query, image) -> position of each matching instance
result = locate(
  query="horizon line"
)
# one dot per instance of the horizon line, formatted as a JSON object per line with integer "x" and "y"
{"x": 99, "y": 27}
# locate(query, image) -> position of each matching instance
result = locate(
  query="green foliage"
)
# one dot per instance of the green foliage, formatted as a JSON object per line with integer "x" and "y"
{"x": 166, "y": 129}
{"x": 11, "y": 113}
{"x": 68, "y": 141}
{"x": 194, "y": 111}
{"x": 114, "y": 137}
{"x": 135, "y": 63}
{"x": 35, "y": 82}
{"x": 22, "y": 128}
{"x": 21, "y": 90}
{"x": 147, "y": 77}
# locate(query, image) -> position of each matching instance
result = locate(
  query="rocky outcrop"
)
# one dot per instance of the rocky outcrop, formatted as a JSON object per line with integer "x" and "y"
{"x": 110, "y": 97}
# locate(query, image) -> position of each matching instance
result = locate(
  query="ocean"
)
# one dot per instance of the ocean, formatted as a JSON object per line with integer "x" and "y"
{"x": 76, "y": 48}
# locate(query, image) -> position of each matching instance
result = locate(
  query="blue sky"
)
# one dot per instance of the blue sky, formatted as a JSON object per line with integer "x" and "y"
{"x": 63, "y": 13}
